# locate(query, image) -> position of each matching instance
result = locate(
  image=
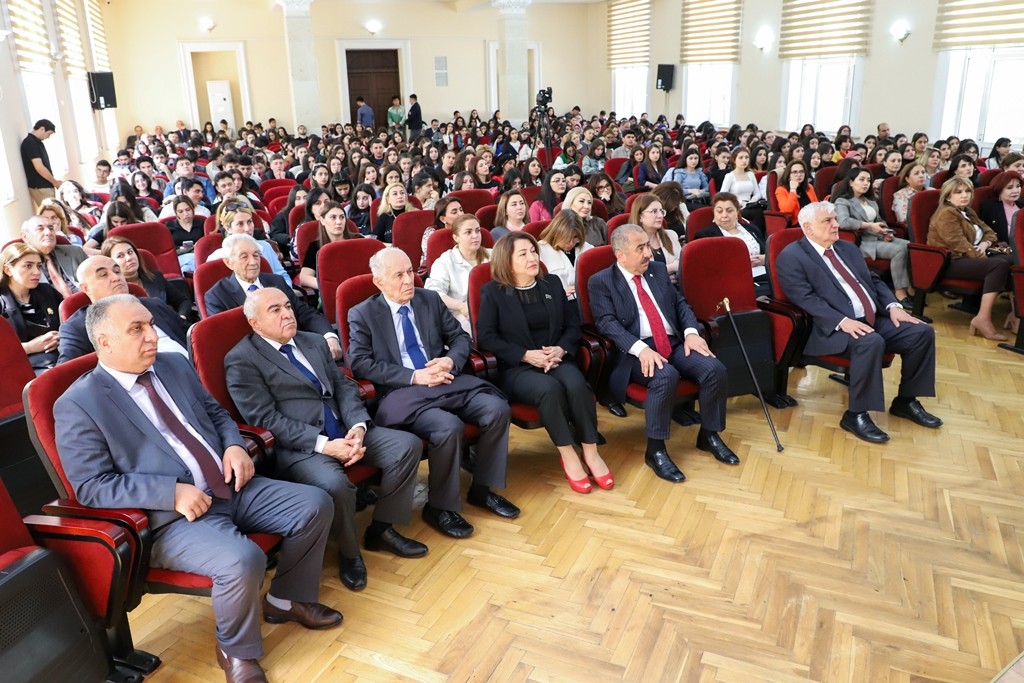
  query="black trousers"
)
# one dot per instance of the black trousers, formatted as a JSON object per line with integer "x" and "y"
{"x": 562, "y": 395}
{"x": 916, "y": 346}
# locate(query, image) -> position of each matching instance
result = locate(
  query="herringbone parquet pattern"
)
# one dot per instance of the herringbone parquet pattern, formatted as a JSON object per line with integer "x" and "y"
{"x": 832, "y": 561}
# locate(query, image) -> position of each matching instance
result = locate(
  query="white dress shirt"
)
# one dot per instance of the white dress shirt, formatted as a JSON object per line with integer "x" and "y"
{"x": 396, "y": 320}
{"x": 858, "y": 308}
{"x": 645, "y": 324}
{"x": 138, "y": 394}
{"x": 259, "y": 285}
{"x": 559, "y": 264}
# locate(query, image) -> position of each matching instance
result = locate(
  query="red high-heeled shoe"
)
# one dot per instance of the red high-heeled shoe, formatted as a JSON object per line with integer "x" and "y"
{"x": 578, "y": 485}
{"x": 607, "y": 482}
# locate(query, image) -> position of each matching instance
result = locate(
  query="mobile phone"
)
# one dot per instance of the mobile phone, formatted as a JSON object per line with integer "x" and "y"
{"x": 188, "y": 244}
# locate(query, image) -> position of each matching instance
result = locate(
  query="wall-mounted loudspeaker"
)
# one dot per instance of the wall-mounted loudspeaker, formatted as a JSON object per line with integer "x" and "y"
{"x": 101, "y": 90}
{"x": 666, "y": 74}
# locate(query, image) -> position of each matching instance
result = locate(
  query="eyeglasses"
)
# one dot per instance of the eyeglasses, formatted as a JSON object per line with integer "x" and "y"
{"x": 236, "y": 206}
{"x": 656, "y": 212}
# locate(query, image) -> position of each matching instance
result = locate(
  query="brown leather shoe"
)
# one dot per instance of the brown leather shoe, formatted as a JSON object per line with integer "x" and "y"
{"x": 309, "y": 614}
{"x": 240, "y": 670}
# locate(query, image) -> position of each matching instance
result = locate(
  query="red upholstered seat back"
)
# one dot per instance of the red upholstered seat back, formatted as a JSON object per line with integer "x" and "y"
{"x": 535, "y": 228}
{"x": 274, "y": 193}
{"x": 486, "y": 215}
{"x": 613, "y": 166}
{"x": 210, "y": 340}
{"x": 337, "y": 262}
{"x": 295, "y": 216}
{"x": 286, "y": 183}
{"x": 305, "y": 234}
{"x": 713, "y": 269}
{"x": 156, "y": 238}
{"x": 210, "y": 224}
{"x": 588, "y": 264}
{"x": 210, "y": 273}
{"x": 478, "y": 277}
{"x": 472, "y": 200}
{"x": 939, "y": 178}
{"x": 771, "y": 186}
{"x": 530, "y": 193}
{"x": 374, "y": 207}
{"x": 69, "y": 306}
{"x": 352, "y": 292}
{"x": 922, "y": 207}
{"x": 441, "y": 241}
{"x": 207, "y": 245}
{"x": 15, "y": 371}
{"x": 39, "y": 397}
{"x": 776, "y": 243}
{"x": 615, "y": 222}
{"x": 699, "y": 219}
{"x": 824, "y": 179}
{"x": 888, "y": 190}
{"x": 407, "y": 233}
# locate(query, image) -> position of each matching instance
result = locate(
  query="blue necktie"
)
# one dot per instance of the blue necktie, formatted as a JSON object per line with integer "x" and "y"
{"x": 252, "y": 288}
{"x": 412, "y": 347}
{"x": 331, "y": 427}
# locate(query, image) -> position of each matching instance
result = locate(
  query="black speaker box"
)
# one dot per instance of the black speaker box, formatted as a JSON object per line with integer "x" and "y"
{"x": 101, "y": 90}
{"x": 666, "y": 75}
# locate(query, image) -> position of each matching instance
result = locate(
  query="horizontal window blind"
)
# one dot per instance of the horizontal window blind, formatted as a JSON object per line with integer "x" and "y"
{"x": 821, "y": 28}
{"x": 710, "y": 31}
{"x": 97, "y": 36}
{"x": 71, "y": 37}
{"x": 978, "y": 23}
{"x": 30, "y": 36}
{"x": 629, "y": 33}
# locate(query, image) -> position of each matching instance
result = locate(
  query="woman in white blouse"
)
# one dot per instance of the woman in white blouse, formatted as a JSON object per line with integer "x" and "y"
{"x": 741, "y": 181}
{"x": 561, "y": 242}
{"x": 727, "y": 214}
{"x": 449, "y": 275}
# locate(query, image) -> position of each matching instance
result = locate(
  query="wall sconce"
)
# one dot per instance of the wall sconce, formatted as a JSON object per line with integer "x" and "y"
{"x": 207, "y": 24}
{"x": 373, "y": 26}
{"x": 899, "y": 30}
{"x": 764, "y": 39}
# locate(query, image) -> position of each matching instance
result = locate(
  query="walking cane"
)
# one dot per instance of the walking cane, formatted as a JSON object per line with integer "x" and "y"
{"x": 724, "y": 303}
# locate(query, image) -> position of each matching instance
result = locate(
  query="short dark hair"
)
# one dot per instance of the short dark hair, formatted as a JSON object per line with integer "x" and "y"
{"x": 413, "y": 97}
{"x": 104, "y": 163}
{"x": 45, "y": 124}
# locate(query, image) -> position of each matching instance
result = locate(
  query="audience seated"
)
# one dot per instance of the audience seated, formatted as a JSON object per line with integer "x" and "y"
{"x": 235, "y": 217}
{"x": 912, "y": 179}
{"x": 998, "y": 210}
{"x": 174, "y": 294}
{"x": 333, "y": 227}
{"x": 449, "y": 274}
{"x": 727, "y": 214}
{"x": 795, "y": 190}
{"x": 29, "y": 305}
{"x": 551, "y": 194}
{"x": 561, "y": 242}
{"x": 60, "y": 261}
{"x": 394, "y": 201}
{"x": 580, "y": 201}
{"x": 648, "y": 212}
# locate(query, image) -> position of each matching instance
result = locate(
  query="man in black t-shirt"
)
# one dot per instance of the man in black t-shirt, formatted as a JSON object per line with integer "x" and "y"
{"x": 41, "y": 183}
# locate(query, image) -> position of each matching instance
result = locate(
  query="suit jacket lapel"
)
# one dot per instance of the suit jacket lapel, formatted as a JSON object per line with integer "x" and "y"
{"x": 13, "y": 312}
{"x": 234, "y": 290}
{"x": 515, "y": 310}
{"x": 819, "y": 262}
{"x": 120, "y": 398}
{"x": 424, "y": 324}
{"x": 624, "y": 288}
{"x": 554, "y": 314}
{"x": 663, "y": 298}
{"x": 305, "y": 344}
{"x": 277, "y": 358}
{"x": 385, "y": 327}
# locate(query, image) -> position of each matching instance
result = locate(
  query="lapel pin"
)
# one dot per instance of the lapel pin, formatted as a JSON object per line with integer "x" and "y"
{"x": 547, "y": 296}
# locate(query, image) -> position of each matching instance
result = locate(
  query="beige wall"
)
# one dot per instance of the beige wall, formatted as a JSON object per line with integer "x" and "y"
{"x": 215, "y": 66}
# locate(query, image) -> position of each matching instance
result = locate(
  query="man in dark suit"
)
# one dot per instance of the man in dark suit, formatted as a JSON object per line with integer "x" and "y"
{"x": 243, "y": 258}
{"x": 60, "y": 261}
{"x": 100, "y": 277}
{"x": 655, "y": 332}
{"x": 140, "y": 431}
{"x": 414, "y": 119}
{"x": 285, "y": 380}
{"x": 855, "y": 314}
{"x": 406, "y": 342}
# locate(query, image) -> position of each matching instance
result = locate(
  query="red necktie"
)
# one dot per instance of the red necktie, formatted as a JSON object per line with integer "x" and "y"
{"x": 214, "y": 477}
{"x": 56, "y": 279}
{"x": 869, "y": 308}
{"x": 661, "y": 343}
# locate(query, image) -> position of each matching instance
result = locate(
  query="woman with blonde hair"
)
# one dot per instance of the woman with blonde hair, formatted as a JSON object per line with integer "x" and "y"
{"x": 393, "y": 203}
{"x": 581, "y": 201}
{"x": 561, "y": 242}
{"x": 449, "y": 275}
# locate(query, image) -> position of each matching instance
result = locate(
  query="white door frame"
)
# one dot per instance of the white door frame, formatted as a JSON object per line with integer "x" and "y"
{"x": 185, "y": 51}
{"x": 404, "y": 48}
{"x": 492, "y": 70}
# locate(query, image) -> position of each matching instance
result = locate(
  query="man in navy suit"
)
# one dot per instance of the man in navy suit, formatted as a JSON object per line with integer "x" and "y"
{"x": 855, "y": 314}
{"x": 243, "y": 258}
{"x": 100, "y": 277}
{"x": 140, "y": 431}
{"x": 655, "y": 332}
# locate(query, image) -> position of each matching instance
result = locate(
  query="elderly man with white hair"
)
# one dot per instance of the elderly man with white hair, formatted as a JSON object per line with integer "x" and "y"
{"x": 60, "y": 261}
{"x": 242, "y": 255}
{"x": 855, "y": 314}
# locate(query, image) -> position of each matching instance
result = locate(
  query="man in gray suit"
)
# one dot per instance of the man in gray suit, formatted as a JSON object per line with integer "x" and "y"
{"x": 60, "y": 261}
{"x": 286, "y": 381}
{"x": 406, "y": 342}
{"x": 140, "y": 431}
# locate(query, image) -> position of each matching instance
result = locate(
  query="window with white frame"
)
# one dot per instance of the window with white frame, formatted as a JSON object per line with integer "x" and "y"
{"x": 821, "y": 92}
{"x": 629, "y": 90}
{"x": 629, "y": 49}
{"x": 708, "y": 92}
{"x": 983, "y": 97}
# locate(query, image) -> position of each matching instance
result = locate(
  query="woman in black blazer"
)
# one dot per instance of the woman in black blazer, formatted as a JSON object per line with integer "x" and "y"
{"x": 174, "y": 294}
{"x": 32, "y": 307}
{"x": 998, "y": 210}
{"x": 727, "y": 214}
{"x": 527, "y": 322}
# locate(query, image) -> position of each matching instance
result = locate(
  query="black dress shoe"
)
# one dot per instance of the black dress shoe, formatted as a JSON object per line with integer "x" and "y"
{"x": 352, "y": 573}
{"x": 861, "y": 426}
{"x": 713, "y": 444}
{"x": 664, "y": 467}
{"x": 313, "y": 615}
{"x": 396, "y": 543}
{"x": 912, "y": 409}
{"x": 447, "y": 522}
{"x": 617, "y": 409}
{"x": 499, "y": 505}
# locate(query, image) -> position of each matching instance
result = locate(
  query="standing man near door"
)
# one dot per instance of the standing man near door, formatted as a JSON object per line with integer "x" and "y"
{"x": 415, "y": 118}
{"x": 41, "y": 183}
{"x": 364, "y": 114}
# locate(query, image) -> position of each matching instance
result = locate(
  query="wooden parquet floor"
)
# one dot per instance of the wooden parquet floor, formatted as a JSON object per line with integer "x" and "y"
{"x": 835, "y": 560}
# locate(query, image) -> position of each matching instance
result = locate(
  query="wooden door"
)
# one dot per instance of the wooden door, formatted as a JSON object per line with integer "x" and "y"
{"x": 373, "y": 75}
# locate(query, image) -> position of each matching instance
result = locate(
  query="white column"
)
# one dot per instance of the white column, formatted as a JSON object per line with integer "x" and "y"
{"x": 514, "y": 99}
{"x": 298, "y": 32}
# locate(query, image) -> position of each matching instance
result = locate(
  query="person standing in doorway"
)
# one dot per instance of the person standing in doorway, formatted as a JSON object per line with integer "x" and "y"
{"x": 364, "y": 114}
{"x": 41, "y": 183}
{"x": 415, "y": 118}
{"x": 396, "y": 116}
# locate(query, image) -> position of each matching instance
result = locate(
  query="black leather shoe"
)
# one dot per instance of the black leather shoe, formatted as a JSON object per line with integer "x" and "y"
{"x": 309, "y": 614}
{"x": 664, "y": 467}
{"x": 912, "y": 409}
{"x": 499, "y": 505}
{"x": 352, "y": 573}
{"x": 713, "y": 444}
{"x": 861, "y": 426}
{"x": 617, "y": 409}
{"x": 394, "y": 542}
{"x": 447, "y": 522}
